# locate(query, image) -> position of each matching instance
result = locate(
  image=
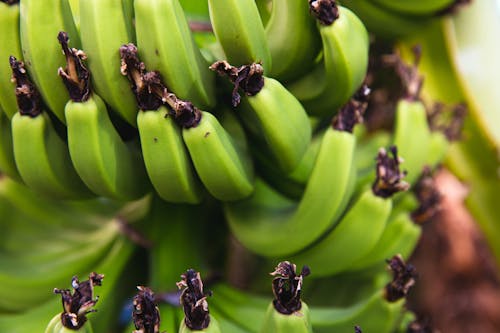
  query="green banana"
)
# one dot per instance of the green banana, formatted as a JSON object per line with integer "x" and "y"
{"x": 55, "y": 326}
{"x": 105, "y": 25}
{"x": 370, "y": 211}
{"x": 7, "y": 162}
{"x": 109, "y": 166}
{"x": 10, "y": 45}
{"x": 166, "y": 45}
{"x": 287, "y": 312}
{"x": 41, "y": 156}
{"x": 383, "y": 23}
{"x": 274, "y": 118}
{"x": 194, "y": 302}
{"x": 266, "y": 222}
{"x": 342, "y": 68}
{"x": 241, "y": 34}
{"x": 40, "y": 22}
{"x": 293, "y": 51}
{"x": 418, "y": 8}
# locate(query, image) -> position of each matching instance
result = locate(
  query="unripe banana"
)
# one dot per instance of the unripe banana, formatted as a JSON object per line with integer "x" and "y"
{"x": 7, "y": 162}
{"x": 342, "y": 68}
{"x": 417, "y": 8}
{"x": 40, "y": 22}
{"x": 274, "y": 118}
{"x": 10, "y": 45}
{"x": 239, "y": 29}
{"x": 297, "y": 322}
{"x": 41, "y": 156}
{"x": 105, "y": 25}
{"x": 109, "y": 166}
{"x": 55, "y": 326}
{"x": 166, "y": 45}
{"x": 293, "y": 50}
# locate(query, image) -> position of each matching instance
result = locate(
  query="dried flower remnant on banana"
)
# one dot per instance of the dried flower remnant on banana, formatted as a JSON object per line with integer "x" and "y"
{"x": 76, "y": 76}
{"x": 403, "y": 278}
{"x": 325, "y": 11}
{"x": 357, "y": 329}
{"x": 389, "y": 177}
{"x": 448, "y": 119}
{"x": 194, "y": 300}
{"x": 409, "y": 75}
{"x": 287, "y": 287}
{"x": 79, "y": 302}
{"x": 151, "y": 92}
{"x": 352, "y": 112}
{"x": 420, "y": 326}
{"x": 248, "y": 78}
{"x": 428, "y": 197}
{"x": 146, "y": 315}
{"x": 29, "y": 101}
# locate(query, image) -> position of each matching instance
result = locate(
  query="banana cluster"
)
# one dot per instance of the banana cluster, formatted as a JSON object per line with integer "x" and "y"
{"x": 111, "y": 106}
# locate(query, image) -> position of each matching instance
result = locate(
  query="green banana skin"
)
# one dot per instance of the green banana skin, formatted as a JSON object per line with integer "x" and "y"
{"x": 424, "y": 7}
{"x": 105, "y": 25}
{"x": 166, "y": 158}
{"x": 224, "y": 167}
{"x": 10, "y": 44}
{"x": 399, "y": 237}
{"x": 238, "y": 28}
{"x": 359, "y": 230}
{"x": 383, "y": 23}
{"x": 166, "y": 45}
{"x": 374, "y": 314}
{"x": 278, "y": 122}
{"x": 265, "y": 222}
{"x": 412, "y": 137}
{"x": 342, "y": 69}
{"x": 43, "y": 159}
{"x": 213, "y": 327}
{"x": 297, "y": 322}
{"x": 34, "y": 319}
{"x": 7, "y": 162}
{"x": 109, "y": 166}
{"x": 40, "y": 22}
{"x": 293, "y": 51}
{"x": 55, "y": 326}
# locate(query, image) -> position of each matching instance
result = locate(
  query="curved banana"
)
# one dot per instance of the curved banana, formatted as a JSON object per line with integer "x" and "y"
{"x": 239, "y": 30}
{"x": 41, "y": 156}
{"x": 10, "y": 45}
{"x": 418, "y": 8}
{"x": 7, "y": 161}
{"x": 40, "y": 22}
{"x": 274, "y": 118}
{"x": 109, "y": 166}
{"x": 165, "y": 155}
{"x": 293, "y": 50}
{"x": 342, "y": 69}
{"x": 384, "y": 23}
{"x": 166, "y": 45}
{"x": 370, "y": 211}
{"x": 105, "y": 25}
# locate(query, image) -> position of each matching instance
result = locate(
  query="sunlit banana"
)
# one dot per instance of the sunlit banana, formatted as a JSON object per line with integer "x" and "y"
{"x": 362, "y": 225}
{"x": 343, "y": 66}
{"x": 40, "y": 22}
{"x": 271, "y": 225}
{"x": 105, "y": 25}
{"x": 10, "y": 45}
{"x": 165, "y": 155}
{"x": 77, "y": 304}
{"x": 109, "y": 166}
{"x": 425, "y": 7}
{"x": 293, "y": 50}
{"x": 287, "y": 312}
{"x": 275, "y": 119}
{"x": 166, "y": 45}
{"x": 241, "y": 34}
{"x": 194, "y": 302}
{"x": 41, "y": 156}
{"x": 7, "y": 162}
